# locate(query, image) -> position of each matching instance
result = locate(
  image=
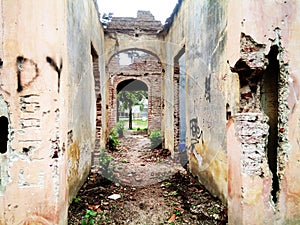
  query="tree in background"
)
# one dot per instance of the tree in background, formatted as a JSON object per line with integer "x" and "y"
{"x": 128, "y": 99}
{"x": 106, "y": 18}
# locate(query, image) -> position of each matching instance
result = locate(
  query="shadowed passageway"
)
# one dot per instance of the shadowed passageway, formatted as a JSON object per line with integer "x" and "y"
{"x": 143, "y": 186}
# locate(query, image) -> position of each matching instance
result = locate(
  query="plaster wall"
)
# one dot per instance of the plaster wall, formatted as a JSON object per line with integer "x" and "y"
{"x": 47, "y": 94}
{"x": 213, "y": 35}
{"x": 83, "y": 33}
{"x": 270, "y": 23}
{"x": 200, "y": 29}
{"x": 33, "y": 176}
{"x": 175, "y": 42}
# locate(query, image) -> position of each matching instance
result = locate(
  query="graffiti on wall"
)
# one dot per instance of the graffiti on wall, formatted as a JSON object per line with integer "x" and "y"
{"x": 29, "y": 65}
{"x": 207, "y": 88}
{"x": 196, "y": 133}
{"x": 29, "y": 123}
{"x": 196, "y": 137}
{"x": 56, "y": 68}
{"x": 21, "y": 64}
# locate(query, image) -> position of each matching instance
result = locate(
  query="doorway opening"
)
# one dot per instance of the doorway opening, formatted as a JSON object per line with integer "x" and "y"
{"x": 140, "y": 70}
{"x": 132, "y": 104}
{"x": 96, "y": 73}
{"x": 180, "y": 106}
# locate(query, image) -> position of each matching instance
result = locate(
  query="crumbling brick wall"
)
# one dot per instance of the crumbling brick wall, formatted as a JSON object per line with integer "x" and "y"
{"x": 143, "y": 24}
{"x": 147, "y": 69}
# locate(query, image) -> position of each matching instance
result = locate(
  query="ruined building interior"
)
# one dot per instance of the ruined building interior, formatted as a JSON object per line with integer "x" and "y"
{"x": 222, "y": 82}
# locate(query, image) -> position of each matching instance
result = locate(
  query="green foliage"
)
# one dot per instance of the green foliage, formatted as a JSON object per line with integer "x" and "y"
{"x": 89, "y": 217}
{"x": 131, "y": 98}
{"x": 113, "y": 141}
{"x": 119, "y": 128}
{"x": 155, "y": 139}
{"x": 169, "y": 184}
{"x": 128, "y": 98}
{"x": 76, "y": 200}
{"x": 177, "y": 213}
{"x": 173, "y": 193}
{"x": 107, "y": 164}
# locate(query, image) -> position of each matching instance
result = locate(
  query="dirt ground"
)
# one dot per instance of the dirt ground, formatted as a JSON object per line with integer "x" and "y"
{"x": 136, "y": 185}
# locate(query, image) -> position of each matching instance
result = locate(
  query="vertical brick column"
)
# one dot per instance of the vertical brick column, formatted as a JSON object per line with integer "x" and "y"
{"x": 176, "y": 107}
{"x": 249, "y": 177}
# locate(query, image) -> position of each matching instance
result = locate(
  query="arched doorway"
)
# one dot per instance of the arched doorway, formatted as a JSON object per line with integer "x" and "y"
{"x": 132, "y": 103}
{"x": 139, "y": 70}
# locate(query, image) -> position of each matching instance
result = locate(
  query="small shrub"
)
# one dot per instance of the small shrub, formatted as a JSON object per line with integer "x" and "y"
{"x": 113, "y": 141}
{"x": 88, "y": 218}
{"x": 107, "y": 164}
{"x": 76, "y": 200}
{"x": 119, "y": 128}
{"x": 155, "y": 139}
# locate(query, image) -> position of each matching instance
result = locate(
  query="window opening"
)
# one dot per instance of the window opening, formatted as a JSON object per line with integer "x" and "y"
{"x": 3, "y": 134}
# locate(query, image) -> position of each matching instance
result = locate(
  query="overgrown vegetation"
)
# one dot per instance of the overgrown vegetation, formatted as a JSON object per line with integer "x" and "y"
{"x": 119, "y": 128}
{"x": 155, "y": 139}
{"x": 107, "y": 164}
{"x": 89, "y": 217}
{"x": 113, "y": 140}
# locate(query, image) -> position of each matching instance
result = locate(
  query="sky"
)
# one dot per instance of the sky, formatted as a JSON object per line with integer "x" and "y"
{"x": 160, "y": 9}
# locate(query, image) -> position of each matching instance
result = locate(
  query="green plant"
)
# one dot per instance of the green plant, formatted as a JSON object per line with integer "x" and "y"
{"x": 155, "y": 139}
{"x": 169, "y": 184}
{"x": 107, "y": 164}
{"x": 214, "y": 210}
{"x": 173, "y": 193}
{"x": 76, "y": 199}
{"x": 89, "y": 217}
{"x": 177, "y": 213}
{"x": 113, "y": 141}
{"x": 119, "y": 128}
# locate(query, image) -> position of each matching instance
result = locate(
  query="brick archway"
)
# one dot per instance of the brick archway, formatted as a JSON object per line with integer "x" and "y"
{"x": 145, "y": 68}
{"x": 129, "y": 47}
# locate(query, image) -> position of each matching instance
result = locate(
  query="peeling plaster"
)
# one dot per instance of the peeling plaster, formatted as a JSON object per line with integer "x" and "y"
{"x": 283, "y": 108}
{"x": 252, "y": 131}
{"x": 252, "y": 123}
{"x": 250, "y": 68}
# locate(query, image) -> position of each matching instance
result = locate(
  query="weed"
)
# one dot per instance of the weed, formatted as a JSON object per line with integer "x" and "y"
{"x": 214, "y": 210}
{"x": 174, "y": 203}
{"x": 169, "y": 184}
{"x": 112, "y": 141}
{"x": 119, "y": 128}
{"x": 177, "y": 213}
{"x": 107, "y": 164}
{"x": 89, "y": 217}
{"x": 173, "y": 193}
{"x": 76, "y": 200}
{"x": 155, "y": 139}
